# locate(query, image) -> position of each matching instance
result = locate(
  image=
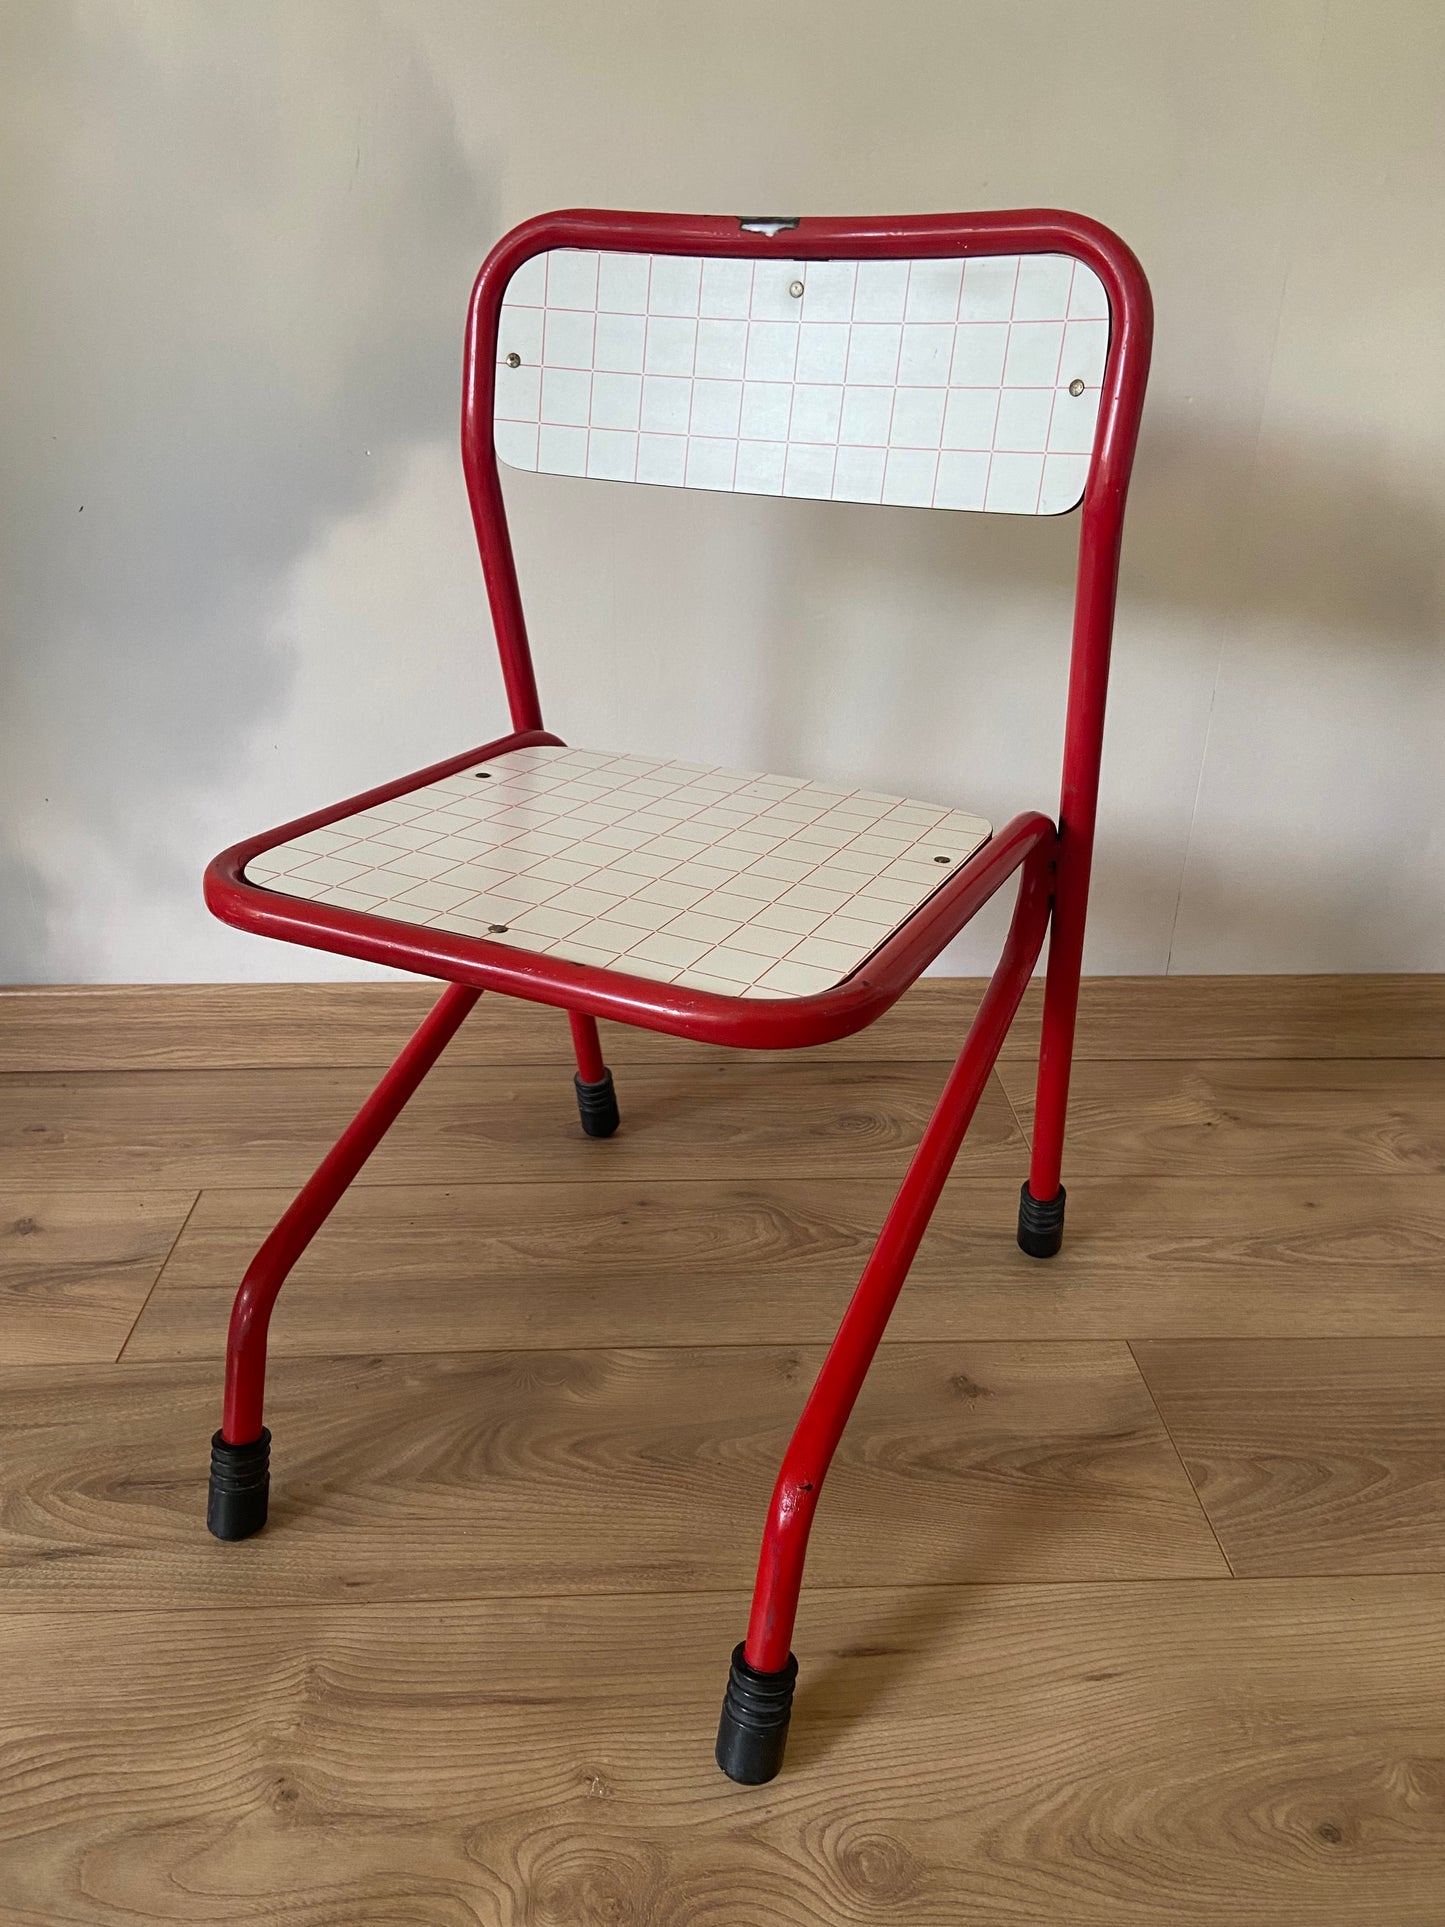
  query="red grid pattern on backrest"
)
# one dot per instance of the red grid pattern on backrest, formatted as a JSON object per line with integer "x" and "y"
{"x": 935, "y": 382}
{"x": 915, "y": 237}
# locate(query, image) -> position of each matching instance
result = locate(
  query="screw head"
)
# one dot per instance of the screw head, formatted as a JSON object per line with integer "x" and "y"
{"x": 497, "y": 929}
{"x": 943, "y": 859}
{"x": 1076, "y": 387}
{"x": 514, "y": 360}
{"x": 482, "y": 775}
{"x": 795, "y": 289}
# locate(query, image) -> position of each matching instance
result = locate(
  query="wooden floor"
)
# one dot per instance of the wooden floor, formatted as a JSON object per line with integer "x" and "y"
{"x": 1126, "y": 1603}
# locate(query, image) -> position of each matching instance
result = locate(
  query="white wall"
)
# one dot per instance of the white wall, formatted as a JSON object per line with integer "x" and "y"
{"x": 239, "y": 579}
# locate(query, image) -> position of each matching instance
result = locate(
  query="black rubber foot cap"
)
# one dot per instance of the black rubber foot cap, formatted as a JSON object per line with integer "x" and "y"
{"x": 1041, "y": 1226}
{"x": 597, "y": 1106}
{"x": 754, "y": 1728}
{"x": 240, "y": 1484}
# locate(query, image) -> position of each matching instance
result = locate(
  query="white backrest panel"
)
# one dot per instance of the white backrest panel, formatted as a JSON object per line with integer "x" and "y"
{"x": 936, "y": 384}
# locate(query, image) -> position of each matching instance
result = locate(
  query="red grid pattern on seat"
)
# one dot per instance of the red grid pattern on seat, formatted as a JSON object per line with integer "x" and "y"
{"x": 721, "y": 880}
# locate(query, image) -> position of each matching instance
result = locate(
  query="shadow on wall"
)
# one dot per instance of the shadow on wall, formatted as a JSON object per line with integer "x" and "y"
{"x": 1277, "y": 913}
{"x": 1314, "y": 534}
{"x": 264, "y": 218}
{"x": 927, "y": 653}
{"x": 1263, "y": 912}
{"x": 1311, "y": 547}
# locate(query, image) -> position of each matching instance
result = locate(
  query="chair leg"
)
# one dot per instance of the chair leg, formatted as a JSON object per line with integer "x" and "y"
{"x": 1042, "y": 1199}
{"x": 596, "y": 1098}
{"x": 758, "y": 1702}
{"x": 240, "y": 1451}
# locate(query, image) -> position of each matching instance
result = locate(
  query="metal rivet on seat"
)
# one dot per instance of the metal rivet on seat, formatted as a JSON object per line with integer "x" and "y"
{"x": 943, "y": 859}
{"x": 1076, "y": 387}
{"x": 497, "y": 929}
{"x": 795, "y": 289}
{"x": 482, "y": 775}
{"x": 514, "y": 360}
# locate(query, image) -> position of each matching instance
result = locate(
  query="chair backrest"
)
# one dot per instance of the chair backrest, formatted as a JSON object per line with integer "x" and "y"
{"x": 933, "y": 382}
{"x": 994, "y": 361}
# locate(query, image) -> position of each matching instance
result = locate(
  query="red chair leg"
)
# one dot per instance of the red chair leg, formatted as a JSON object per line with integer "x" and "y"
{"x": 596, "y": 1098}
{"x": 240, "y": 1451}
{"x": 758, "y": 1701}
{"x": 1042, "y": 1200}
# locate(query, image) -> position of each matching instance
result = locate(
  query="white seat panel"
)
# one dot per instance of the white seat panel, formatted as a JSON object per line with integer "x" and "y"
{"x": 720, "y": 880}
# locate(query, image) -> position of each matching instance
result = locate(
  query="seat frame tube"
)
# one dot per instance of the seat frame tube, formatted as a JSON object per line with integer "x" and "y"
{"x": 251, "y": 1313}
{"x": 815, "y": 1440}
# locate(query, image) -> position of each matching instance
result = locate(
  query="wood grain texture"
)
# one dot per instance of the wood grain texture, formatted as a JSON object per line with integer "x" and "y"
{"x": 1257, "y": 1754}
{"x": 89, "y": 1027}
{"x": 403, "y": 1268}
{"x": 529, "y": 1395}
{"x": 75, "y": 1267}
{"x": 1249, "y": 1119}
{"x": 115, "y": 1027}
{"x": 781, "y": 1116}
{"x": 1313, "y": 1457}
{"x": 474, "y": 1474}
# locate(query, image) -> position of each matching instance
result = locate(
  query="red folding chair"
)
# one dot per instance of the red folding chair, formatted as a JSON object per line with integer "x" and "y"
{"x": 966, "y": 361}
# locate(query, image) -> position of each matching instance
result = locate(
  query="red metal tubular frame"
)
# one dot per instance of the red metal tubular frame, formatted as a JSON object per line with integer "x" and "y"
{"x": 313, "y": 1205}
{"x": 795, "y": 1497}
{"x": 588, "y": 1046}
{"x": 791, "y": 1023}
{"x": 1055, "y": 863}
{"x": 1028, "y": 840}
{"x": 753, "y": 1023}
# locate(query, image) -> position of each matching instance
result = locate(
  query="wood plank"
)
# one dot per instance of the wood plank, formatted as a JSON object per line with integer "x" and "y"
{"x": 118, "y": 1027}
{"x": 1249, "y": 1119}
{"x": 1259, "y": 1017}
{"x": 793, "y": 1115}
{"x": 1264, "y": 1754}
{"x": 1313, "y": 1456}
{"x": 75, "y": 1267}
{"x": 86, "y": 1027}
{"x": 275, "y": 1732}
{"x": 507, "y": 1472}
{"x": 442, "y": 1267}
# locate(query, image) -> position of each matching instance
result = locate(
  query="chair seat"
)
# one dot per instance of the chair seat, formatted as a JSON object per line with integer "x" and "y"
{"x": 713, "y": 879}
